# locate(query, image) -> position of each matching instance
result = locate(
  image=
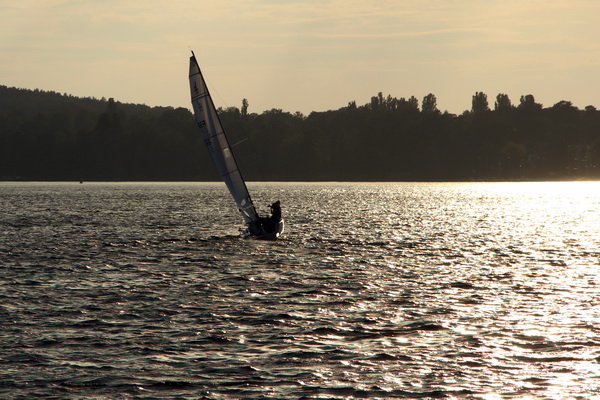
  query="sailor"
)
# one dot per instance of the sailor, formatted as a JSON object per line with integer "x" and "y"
{"x": 276, "y": 211}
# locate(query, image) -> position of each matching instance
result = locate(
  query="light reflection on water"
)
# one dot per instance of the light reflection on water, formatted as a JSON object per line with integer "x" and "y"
{"x": 464, "y": 290}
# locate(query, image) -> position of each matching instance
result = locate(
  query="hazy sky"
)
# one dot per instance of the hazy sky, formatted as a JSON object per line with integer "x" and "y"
{"x": 305, "y": 55}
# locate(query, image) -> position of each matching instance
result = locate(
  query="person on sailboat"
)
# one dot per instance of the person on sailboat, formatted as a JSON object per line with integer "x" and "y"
{"x": 276, "y": 211}
{"x": 271, "y": 224}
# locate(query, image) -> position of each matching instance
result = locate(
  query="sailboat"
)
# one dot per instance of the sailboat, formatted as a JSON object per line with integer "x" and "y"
{"x": 222, "y": 156}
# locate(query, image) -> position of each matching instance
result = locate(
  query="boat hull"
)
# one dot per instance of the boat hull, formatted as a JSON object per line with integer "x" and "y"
{"x": 270, "y": 230}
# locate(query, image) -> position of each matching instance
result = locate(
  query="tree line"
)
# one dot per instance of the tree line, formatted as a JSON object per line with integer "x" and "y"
{"x": 53, "y": 136}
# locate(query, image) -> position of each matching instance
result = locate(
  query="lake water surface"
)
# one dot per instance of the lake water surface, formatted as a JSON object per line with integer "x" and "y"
{"x": 376, "y": 290}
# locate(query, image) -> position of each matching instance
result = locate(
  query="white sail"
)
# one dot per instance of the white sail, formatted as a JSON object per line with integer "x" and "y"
{"x": 217, "y": 143}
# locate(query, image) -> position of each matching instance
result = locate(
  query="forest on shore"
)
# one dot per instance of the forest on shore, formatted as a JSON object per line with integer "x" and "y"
{"x": 52, "y": 136}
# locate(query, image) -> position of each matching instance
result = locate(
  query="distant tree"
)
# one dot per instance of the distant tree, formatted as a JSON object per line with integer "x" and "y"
{"x": 374, "y": 103}
{"x": 564, "y": 112}
{"x": 528, "y": 103}
{"x": 502, "y": 103}
{"x": 229, "y": 110}
{"x": 429, "y": 104}
{"x": 245, "y": 107}
{"x": 413, "y": 103}
{"x": 390, "y": 103}
{"x": 377, "y": 101}
{"x": 564, "y": 105}
{"x": 479, "y": 104}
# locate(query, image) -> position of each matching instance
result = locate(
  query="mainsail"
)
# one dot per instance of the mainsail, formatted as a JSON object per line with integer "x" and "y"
{"x": 218, "y": 145}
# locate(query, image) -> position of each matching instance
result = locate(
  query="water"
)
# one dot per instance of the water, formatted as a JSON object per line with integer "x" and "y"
{"x": 399, "y": 290}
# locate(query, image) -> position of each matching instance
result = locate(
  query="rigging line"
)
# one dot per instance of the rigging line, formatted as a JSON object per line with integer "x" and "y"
{"x": 239, "y": 142}
{"x": 213, "y": 90}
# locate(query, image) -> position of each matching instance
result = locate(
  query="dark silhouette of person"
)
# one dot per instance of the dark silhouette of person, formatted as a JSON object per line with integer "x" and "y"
{"x": 271, "y": 224}
{"x": 276, "y": 211}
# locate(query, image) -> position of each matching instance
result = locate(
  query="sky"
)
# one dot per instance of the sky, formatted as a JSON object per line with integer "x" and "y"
{"x": 305, "y": 55}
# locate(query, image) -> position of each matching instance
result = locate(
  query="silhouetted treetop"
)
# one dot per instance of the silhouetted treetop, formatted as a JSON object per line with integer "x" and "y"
{"x": 503, "y": 103}
{"x": 480, "y": 104}
{"x": 528, "y": 103}
{"x": 430, "y": 104}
